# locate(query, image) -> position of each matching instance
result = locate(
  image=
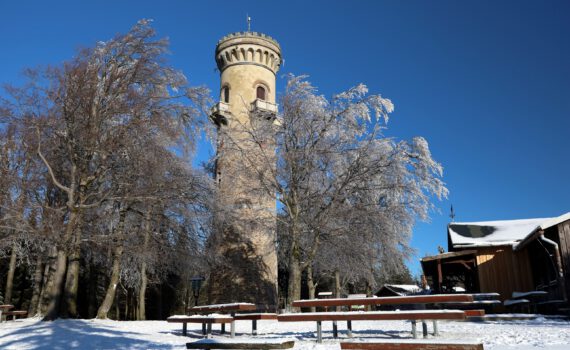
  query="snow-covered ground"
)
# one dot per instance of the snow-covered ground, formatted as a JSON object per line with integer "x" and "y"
{"x": 107, "y": 334}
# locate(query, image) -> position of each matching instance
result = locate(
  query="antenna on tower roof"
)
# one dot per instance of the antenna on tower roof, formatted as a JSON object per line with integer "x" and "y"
{"x": 452, "y": 214}
{"x": 248, "y": 23}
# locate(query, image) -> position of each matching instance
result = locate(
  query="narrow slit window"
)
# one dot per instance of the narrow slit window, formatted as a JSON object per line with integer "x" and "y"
{"x": 226, "y": 94}
{"x": 261, "y": 92}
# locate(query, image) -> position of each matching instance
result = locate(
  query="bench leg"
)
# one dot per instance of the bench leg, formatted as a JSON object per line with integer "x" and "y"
{"x": 424, "y": 329}
{"x": 414, "y": 330}
{"x": 319, "y": 332}
{"x": 209, "y": 330}
{"x": 204, "y": 329}
{"x": 184, "y": 328}
{"x": 435, "y": 329}
{"x": 223, "y": 330}
{"x": 335, "y": 330}
{"x": 233, "y": 329}
{"x": 253, "y": 327}
{"x": 349, "y": 328}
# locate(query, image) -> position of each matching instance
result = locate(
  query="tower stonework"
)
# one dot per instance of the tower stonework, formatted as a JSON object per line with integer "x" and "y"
{"x": 245, "y": 267}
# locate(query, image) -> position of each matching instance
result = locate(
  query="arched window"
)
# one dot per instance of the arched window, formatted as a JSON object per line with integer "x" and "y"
{"x": 261, "y": 92}
{"x": 226, "y": 94}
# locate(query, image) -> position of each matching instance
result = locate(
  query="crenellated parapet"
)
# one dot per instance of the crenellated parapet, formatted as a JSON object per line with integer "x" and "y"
{"x": 248, "y": 48}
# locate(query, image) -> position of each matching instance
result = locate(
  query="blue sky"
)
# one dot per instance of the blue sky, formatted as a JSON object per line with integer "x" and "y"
{"x": 487, "y": 83}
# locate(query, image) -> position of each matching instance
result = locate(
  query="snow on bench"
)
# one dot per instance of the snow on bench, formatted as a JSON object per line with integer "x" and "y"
{"x": 512, "y": 302}
{"x": 398, "y": 344}
{"x": 531, "y": 294}
{"x": 413, "y": 316}
{"x": 231, "y": 307}
{"x": 242, "y": 344}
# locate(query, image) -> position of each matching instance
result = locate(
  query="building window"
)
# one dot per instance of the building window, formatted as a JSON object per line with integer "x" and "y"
{"x": 226, "y": 94}
{"x": 261, "y": 92}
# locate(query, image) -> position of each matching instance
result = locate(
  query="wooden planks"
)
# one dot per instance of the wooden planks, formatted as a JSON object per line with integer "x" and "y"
{"x": 411, "y": 345}
{"x": 504, "y": 271}
{"x": 374, "y": 316}
{"x": 265, "y": 316}
{"x": 414, "y": 299}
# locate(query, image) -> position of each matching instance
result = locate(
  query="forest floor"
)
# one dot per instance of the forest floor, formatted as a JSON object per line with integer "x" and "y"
{"x": 137, "y": 335}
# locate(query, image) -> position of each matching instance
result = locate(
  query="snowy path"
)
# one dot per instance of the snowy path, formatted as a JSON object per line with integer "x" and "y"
{"x": 96, "y": 334}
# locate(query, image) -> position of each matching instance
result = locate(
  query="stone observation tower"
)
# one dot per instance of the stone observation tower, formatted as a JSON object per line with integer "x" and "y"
{"x": 245, "y": 267}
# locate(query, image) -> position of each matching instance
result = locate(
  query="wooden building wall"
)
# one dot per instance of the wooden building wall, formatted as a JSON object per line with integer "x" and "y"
{"x": 564, "y": 246}
{"x": 503, "y": 271}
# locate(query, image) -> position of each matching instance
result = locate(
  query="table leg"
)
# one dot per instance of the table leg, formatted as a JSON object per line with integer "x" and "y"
{"x": 349, "y": 328}
{"x": 435, "y": 329}
{"x": 335, "y": 330}
{"x": 209, "y": 330}
{"x": 424, "y": 329}
{"x": 184, "y": 328}
{"x": 254, "y": 327}
{"x": 319, "y": 332}
{"x": 414, "y": 331}
{"x": 233, "y": 329}
{"x": 223, "y": 330}
{"x": 204, "y": 328}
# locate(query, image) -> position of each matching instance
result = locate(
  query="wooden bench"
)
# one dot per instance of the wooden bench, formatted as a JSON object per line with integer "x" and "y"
{"x": 206, "y": 322}
{"x": 4, "y": 308}
{"x": 412, "y": 345}
{"x": 254, "y": 318}
{"x": 15, "y": 314}
{"x": 412, "y": 316}
{"x": 224, "y": 344}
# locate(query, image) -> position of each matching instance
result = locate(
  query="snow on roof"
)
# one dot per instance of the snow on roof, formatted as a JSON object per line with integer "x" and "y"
{"x": 492, "y": 233}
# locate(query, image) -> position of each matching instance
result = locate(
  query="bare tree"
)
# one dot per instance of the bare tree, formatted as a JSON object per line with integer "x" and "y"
{"x": 93, "y": 120}
{"x": 339, "y": 179}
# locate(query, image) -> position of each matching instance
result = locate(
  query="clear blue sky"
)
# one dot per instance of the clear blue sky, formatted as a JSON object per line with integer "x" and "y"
{"x": 486, "y": 82}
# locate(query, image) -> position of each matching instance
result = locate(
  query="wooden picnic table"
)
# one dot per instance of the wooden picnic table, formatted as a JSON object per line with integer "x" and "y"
{"x": 412, "y": 299}
{"x": 3, "y": 308}
{"x": 350, "y": 316}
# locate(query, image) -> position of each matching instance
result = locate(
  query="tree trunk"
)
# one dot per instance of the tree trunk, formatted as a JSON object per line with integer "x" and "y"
{"x": 56, "y": 293}
{"x": 37, "y": 288}
{"x": 336, "y": 286}
{"x": 294, "y": 287}
{"x": 72, "y": 278}
{"x": 47, "y": 284}
{"x": 92, "y": 299}
{"x": 112, "y": 288}
{"x": 142, "y": 290}
{"x": 11, "y": 272}
{"x": 107, "y": 303}
{"x": 311, "y": 285}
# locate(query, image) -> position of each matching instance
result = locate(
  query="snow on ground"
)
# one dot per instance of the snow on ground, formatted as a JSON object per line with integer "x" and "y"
{"x": 136, "y": 335}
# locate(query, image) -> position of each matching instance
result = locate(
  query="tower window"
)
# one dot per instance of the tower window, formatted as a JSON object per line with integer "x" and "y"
{"x": 226, "y": 94}
{"x": 261, "y": 92}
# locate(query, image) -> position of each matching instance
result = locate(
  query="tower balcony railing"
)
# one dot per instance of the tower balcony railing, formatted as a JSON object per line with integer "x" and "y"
{"x": 220, "y": 112}
{"x": 264, "y": 108}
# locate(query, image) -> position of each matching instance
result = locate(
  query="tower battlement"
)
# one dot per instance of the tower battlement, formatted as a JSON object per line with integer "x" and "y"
{"x": 248, "y": 48}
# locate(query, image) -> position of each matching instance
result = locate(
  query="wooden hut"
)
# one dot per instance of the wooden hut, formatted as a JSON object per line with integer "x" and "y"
{"x": 504, "y": 257}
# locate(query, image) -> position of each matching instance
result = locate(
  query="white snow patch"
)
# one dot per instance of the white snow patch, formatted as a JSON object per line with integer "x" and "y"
{"x": 32, "y": 333}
